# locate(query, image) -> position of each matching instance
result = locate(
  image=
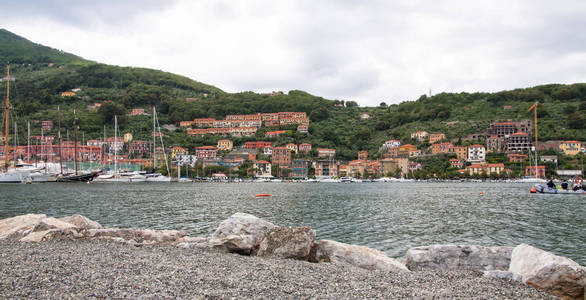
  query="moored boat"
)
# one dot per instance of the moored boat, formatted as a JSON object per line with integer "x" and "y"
{"x": 544, "y": 189}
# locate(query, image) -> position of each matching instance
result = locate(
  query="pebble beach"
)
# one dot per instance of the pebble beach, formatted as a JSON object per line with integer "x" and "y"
{"x": 96, "y": 269}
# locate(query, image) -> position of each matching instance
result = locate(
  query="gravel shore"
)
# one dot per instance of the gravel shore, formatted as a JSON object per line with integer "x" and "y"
{"x": 67, "y": 269}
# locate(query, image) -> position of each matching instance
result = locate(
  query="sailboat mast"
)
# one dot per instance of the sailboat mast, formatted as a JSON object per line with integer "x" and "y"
{"x": 104, "y": 147}
{"x": 115, "y": 145}
{"x": 75, "y": 141}
{"x": 535, "y": 118}
{"x": 59, "y": 137}
{"x": 15, "y": 141}
{"x": 28, "y": 141}
{"x": 6, "y": 108}
{"x": 154, "y": 141}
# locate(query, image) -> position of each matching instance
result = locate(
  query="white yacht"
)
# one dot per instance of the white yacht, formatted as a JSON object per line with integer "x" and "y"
{"x": 157, "y": 177}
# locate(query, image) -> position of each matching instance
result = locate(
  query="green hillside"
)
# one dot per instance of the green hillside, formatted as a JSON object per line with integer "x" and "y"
{"x": 18, "y": 50}
{"x": 36, "y": 94}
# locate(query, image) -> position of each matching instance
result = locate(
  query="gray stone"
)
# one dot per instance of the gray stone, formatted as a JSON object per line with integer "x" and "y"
{"x": 358, "y": 256}
{"x": 451, "y": 257}
{"x": 557, "y": 275}
{"x": 241, "y": 233}
{"x": 287, "y": 242}
{"x": 497, "y": 274}
{"x": 19, "y": 226}
{"x": 81, "y": 222}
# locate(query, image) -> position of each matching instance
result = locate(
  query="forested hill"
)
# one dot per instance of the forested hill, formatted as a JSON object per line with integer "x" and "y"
{"x": 18, "y": 50}
{"x": 42, "y": 73}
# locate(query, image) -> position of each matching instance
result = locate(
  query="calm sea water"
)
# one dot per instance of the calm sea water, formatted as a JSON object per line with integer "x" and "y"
{"x": 391, "y": 217}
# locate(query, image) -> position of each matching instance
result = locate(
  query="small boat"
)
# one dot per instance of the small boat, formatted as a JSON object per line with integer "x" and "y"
{"x": 78, "y": 178}
{"x": 544, "y": 189}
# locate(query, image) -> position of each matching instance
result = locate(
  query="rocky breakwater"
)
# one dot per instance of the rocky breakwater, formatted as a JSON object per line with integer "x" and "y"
{"x": 248, "y": 235}
{"x": 40, "y": 228}
{"x": 559, "y": 276}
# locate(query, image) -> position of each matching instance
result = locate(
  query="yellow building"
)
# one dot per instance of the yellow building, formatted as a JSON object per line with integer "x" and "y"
{"x": 226, "y": 145}
{"x": 177, "y": 151}
{"x": 570, "y": 147}
{"x": 477, "y": 169}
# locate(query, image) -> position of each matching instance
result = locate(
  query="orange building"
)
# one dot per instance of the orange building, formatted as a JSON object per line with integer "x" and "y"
{"x": 436, "y": 137}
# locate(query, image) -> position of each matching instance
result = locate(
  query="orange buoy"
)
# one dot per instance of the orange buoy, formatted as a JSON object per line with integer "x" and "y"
{"x": 533, "y": 190}
{"x": 263, "y": 195}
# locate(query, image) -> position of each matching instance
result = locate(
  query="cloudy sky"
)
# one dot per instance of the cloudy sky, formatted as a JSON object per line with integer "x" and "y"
{"x": 368, "y": 51}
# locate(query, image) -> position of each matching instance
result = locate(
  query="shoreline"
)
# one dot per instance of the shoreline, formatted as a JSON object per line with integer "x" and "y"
{"x": 63, "y": 268}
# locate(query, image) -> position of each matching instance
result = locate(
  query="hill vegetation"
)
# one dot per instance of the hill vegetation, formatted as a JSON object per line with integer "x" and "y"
{"x": 36, "y": 95}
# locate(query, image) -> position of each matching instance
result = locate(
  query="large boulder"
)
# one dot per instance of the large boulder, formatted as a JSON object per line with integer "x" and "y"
{"x": 19, "y": 226}
{"x": 137, "y": 236}
{"x": 287, "y": 242}
{"x": 241, "y": 233}
{"x": 359, "y": 256}
{"x": 81, "y": 222}
{"x": 451, "y": 257}
{"x": 557, "y": 275}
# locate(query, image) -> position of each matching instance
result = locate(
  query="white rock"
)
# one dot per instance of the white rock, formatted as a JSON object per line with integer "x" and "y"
{"x": 81, "y": 222}
{"x": 362, "y": 257}
{"x": 559, "y": 276}
{"x": 453, "y": 257}
{"x": 241, "y": 232}
{"x": 286, "y": 242}
{"x": 19, "y": 226}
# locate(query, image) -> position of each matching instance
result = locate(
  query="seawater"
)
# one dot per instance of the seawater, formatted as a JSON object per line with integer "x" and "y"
{"x": 391, "y": 217}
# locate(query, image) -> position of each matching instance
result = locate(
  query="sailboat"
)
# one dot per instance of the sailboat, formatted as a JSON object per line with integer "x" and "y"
{"x": 157, "y": 177}
{"x": 535, "y": 178}
{"x": 10, "y": 175}
{"x": 77, "y": 176}
{"x": 118, "y": 176}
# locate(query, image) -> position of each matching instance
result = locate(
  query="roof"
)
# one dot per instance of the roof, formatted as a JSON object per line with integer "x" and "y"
{"x": 496, "y": 165}
{"x": 476, "y": 146}
{"x": 206, "y": 148}
{"x": 519, "y": 133}
{"x": 325, "y": 149}
{"x": 504, "y": 123}
{"x": 571, "y": 142}
{"x": 262, "y": 162}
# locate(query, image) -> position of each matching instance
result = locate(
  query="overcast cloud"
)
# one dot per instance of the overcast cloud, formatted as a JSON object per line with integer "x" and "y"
{"x": 367, "y": 51}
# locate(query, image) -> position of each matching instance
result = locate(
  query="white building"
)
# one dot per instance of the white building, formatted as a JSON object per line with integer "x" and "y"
{"x": 263, "y": 169}
{"x": 476, "y": 153}
{"x": 390, "y": 144}
{"x": 186, "y": 159}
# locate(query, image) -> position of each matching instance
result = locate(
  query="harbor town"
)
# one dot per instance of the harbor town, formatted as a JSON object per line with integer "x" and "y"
{"x": 292, "y": 150}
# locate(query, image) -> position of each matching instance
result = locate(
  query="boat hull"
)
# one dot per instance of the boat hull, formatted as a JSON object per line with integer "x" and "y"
{"x": 544, "y": 189}
{"x": 10, "y": 177}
